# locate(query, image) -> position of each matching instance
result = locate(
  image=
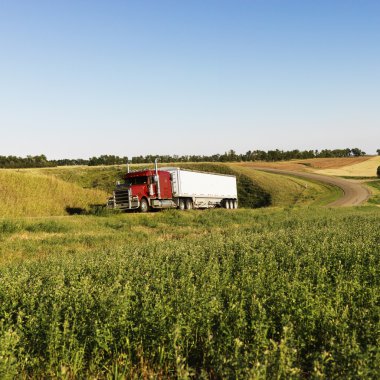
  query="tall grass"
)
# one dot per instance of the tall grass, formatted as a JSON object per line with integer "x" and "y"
{"x": 215, "y": 294}
{"x": 28, "y": 194}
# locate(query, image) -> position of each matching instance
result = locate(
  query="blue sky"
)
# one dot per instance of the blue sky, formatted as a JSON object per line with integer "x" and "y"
{"x": 83, "y": 78}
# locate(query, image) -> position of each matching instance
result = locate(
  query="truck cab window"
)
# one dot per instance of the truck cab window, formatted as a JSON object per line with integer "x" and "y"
{"x": 137, "y": 180}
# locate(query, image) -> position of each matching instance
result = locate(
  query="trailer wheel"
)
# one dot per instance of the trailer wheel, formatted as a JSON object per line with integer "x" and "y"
{"x": 144, "y": 206}
{"x": 189, "y": 204}
{"x": 227, "y": 204}
{"x": 181, "y": 204}
{"x": 235, "y": 204}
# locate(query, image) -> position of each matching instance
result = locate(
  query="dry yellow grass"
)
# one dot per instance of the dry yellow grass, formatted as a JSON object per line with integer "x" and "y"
{"x": 25, "y": 193}
{"x": 366, "y": 168}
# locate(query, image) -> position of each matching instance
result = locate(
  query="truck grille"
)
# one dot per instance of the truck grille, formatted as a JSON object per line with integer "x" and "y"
{"x": 121, "y": 198}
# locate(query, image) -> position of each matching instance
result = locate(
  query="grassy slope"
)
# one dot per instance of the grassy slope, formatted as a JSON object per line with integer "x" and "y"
{"x": 29, "y": 194}
{"x": 88, "y": 177}
{"x": 362, "y": 169}
{"x": 375, "y": 190}
{"x": 104, "y": 178}
{"x": 255, "y": 188}
{"x": 48, "y": 191}
{"x": 220, "y": 293}
{"x": 291, "y": 191}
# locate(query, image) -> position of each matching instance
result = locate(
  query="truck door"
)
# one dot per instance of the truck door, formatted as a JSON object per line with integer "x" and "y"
{"x": 165, "y": 185}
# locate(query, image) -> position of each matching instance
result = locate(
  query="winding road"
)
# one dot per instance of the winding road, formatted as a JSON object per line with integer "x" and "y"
{"x": 354, "y": 193}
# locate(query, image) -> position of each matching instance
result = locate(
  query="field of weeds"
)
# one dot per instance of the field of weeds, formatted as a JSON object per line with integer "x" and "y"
{"x": 212, "y": 294}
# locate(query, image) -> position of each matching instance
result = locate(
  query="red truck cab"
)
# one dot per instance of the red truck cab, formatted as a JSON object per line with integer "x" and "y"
{"x": 143, "y": 190}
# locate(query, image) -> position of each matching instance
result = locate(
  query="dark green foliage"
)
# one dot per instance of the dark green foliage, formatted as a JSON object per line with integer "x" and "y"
{"x": 47, "y": 226}
{"x": 378, "y": 171}
{"x": 230, "y": 156}
{"x": 284, "y": 295}
{"x": 102, "y": 210}
{"x": 9, "y": 226}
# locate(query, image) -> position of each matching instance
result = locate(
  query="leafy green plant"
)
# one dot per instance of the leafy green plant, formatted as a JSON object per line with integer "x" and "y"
{"x": 242, "y": 294}
{"x": 9, "y": 226}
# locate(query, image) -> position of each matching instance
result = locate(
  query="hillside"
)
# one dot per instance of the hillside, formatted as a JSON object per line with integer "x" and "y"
{"x": 56, "y": 191}
{"x": 88, "y": 177}
{"x": 26, "y": 193}
{"x": 256, "y": 189}
{"x": 251, "y": 195}
{"x": 287, "y": 190}
{"x": 365, "y": 168}
{"x": 346, "y": 167}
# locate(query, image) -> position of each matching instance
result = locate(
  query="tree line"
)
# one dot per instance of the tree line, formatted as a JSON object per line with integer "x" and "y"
{"x": 41, "y": 161}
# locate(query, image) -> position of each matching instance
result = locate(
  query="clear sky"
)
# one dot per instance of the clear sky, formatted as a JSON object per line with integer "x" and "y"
{"x": 80, "y": 78}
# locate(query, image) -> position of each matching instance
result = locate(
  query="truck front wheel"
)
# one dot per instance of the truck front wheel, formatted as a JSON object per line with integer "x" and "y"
{"x": 144, "y": 206}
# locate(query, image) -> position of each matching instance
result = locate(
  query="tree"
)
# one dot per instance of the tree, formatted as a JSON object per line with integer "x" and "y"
{"x": 378, "y": 152}
{"x": 357, "y": 152}
{"x": 378, "y": 171}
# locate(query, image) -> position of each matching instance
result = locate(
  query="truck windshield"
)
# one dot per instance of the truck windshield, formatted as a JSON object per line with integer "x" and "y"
{"x": 137, "y": 180}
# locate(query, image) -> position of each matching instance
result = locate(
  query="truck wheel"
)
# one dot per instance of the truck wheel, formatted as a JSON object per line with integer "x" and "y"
{"x": 181, "y": 204}
{"x": 189, "y": 204}
{"x": 144, "y": 206}
{"x": 235, "y": 203}
{"x": 227, "y": 204}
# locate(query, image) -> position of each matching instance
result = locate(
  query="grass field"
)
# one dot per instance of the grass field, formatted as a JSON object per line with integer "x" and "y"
{"x": 214, "y": 294}
{"x": 290, "y": 291}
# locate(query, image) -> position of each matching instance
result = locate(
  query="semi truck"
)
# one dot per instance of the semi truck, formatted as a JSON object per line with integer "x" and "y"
{"x": 172, "y": 187}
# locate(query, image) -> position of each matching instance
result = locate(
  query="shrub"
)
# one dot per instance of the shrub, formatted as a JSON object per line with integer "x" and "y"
{"x": 8, "y": 226}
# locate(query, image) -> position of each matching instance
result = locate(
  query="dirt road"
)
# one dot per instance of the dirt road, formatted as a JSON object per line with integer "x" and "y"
{"x": 354, "y": 193}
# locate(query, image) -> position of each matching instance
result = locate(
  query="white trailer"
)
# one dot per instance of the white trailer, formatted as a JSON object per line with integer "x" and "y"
{"x": 194, "y": 189}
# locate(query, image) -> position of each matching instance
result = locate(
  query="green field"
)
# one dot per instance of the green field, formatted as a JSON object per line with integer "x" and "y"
{"x": 290, "y": 291}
